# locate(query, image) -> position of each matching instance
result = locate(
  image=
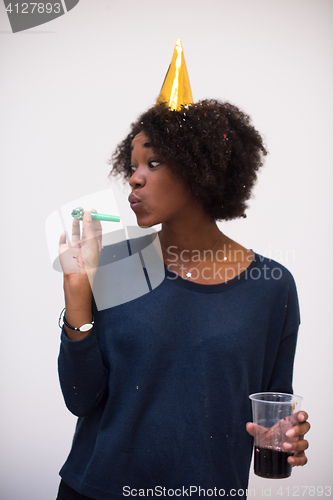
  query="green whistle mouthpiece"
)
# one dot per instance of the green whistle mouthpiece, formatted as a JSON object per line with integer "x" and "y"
{"x": 78, "y": 213}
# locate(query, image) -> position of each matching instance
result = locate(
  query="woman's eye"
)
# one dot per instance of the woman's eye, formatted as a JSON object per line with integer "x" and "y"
{"x": 151, "y": 164}
{"x": 154, "y": 164}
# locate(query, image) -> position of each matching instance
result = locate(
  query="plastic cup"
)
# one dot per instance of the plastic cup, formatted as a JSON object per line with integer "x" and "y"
{"x": 274, "y": 413}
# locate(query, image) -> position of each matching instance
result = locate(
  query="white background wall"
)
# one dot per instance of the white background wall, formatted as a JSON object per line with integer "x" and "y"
{"x": 69, "y": 90}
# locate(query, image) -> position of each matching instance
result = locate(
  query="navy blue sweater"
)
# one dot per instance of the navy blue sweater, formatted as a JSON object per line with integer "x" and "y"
{"x": 161, "y": 384}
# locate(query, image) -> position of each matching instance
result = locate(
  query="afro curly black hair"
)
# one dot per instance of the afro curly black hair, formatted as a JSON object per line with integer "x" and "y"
{"x": 210, "y": 145}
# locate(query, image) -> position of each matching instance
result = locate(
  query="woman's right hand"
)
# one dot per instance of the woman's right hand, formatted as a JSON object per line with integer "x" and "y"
{"x": 82, "y": 254}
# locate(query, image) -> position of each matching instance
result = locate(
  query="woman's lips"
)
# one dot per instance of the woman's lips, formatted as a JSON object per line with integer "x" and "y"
{"x": 134, "y": 200}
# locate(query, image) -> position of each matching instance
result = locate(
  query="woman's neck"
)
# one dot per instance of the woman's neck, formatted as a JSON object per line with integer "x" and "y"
{"x": 197, "y": 250}
{"x": 197, "y": 234}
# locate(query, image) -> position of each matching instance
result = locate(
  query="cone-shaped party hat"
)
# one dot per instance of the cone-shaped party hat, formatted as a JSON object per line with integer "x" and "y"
{"x": 176, "y": 89}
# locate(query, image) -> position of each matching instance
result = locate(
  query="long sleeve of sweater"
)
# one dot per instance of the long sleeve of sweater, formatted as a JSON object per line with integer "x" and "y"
{"x": 282, "y": 373}
{"x": 82, "y": 375}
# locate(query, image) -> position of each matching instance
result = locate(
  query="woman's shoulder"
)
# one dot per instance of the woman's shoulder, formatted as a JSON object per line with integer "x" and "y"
{"x": 271, "y": 270}
{"x": 258, "y": 267}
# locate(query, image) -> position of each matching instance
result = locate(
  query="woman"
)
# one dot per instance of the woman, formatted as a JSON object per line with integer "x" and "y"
{"x": 161, "y": 383}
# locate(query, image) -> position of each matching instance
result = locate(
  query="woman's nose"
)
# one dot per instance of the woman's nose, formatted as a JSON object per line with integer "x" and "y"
{"x": 137, "y": 179}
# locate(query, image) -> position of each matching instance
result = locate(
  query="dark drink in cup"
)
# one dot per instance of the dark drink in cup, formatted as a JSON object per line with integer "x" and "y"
{"x": 274, "y": 414}
{"x": 271, "y": 463}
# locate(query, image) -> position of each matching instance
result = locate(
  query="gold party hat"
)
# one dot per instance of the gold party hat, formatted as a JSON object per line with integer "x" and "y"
{"x": 176, "y": 89}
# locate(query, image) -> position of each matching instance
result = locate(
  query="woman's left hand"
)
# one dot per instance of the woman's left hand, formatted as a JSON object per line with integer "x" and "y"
{"x": 299, "y": 446}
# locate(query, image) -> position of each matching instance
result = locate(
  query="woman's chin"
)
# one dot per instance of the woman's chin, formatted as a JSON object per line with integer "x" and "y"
{"x": 145, "y": 222}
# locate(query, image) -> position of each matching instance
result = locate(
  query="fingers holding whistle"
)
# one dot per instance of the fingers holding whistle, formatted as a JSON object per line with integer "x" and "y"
{"x": 91, "y": 228}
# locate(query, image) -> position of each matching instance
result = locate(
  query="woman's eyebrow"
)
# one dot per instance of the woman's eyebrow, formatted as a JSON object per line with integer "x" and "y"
{"x": 146, "y": 145}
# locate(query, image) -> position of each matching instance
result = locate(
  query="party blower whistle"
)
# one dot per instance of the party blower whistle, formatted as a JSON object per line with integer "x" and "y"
{"x": 78, "y": 213}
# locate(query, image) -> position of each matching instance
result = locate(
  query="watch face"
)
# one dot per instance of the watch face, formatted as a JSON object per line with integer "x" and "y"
{"x": 86, "y": 327}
